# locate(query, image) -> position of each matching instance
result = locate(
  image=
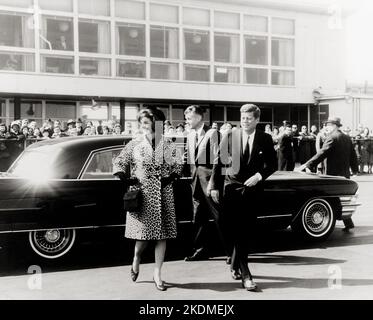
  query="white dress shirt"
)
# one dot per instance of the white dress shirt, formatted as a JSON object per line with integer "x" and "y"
{"x": 251, "y": 137}
{"x": 251, "y": 140}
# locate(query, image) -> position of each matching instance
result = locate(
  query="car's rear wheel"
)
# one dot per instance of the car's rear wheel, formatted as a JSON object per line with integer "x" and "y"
{"x": 316, "y": 221}
{"x": 53, "y": 243}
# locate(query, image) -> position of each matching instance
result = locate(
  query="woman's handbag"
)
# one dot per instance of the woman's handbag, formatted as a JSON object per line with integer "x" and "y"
{"x": 133, "y": 199}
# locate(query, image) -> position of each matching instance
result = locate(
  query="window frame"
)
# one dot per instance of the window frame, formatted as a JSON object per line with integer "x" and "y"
{"x": 91, "y": 155}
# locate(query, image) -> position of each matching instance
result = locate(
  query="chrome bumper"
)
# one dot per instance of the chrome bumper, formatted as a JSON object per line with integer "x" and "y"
{"x": 349, "y": 205}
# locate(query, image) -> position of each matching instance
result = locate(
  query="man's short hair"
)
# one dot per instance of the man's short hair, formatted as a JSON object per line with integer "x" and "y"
{"x": 196, "y": 109}
{"x": 251, "y": 108}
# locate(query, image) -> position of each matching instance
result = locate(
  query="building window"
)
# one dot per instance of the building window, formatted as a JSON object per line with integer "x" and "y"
{"x": 62, "y": 111}
{"x": 17, "y": 3}
{"x": 15, "y": 31}
{"x": 196, "y": 45}
{"x": 131, "y": 69}
{"x": 60, "y": 5}
{"x": 164, "y": 42}
{"x": 283, "y": 26}
{"x": 57, "y": 33}
{"x": 93, "y": 66}
{"x": 227, "y": 20}
{"x": 159, "y": 70}
{"x": 32, "y": 110}
{"x": 94, "y": 36}
{"x": 2, "y": 111}
{"x": 130, "y": 114}
{"x": 282, "y": 52}
{"x": 164, "y": 13}
{"x": 256, "y": 50}
{"x": 131, "y": 39}
{"x": 57, "y": 64}
{"x": 217, "y": 114}
{"x": 196, "y": 73}
{"x": 17, "y": 61}
{"x": 94, "y": 7}
{"x": 98, "y": 113}
{"x": 130, "y": 9}
{"x": 283, "y": 77}
{"x": 196, "y": 17}
{"x": 255, "y": 23}
{"x": 227, "y": 47}
{"x": 256, "y": 76}
{"x": 233, "y": 114}
{"x": 227, "y": 74}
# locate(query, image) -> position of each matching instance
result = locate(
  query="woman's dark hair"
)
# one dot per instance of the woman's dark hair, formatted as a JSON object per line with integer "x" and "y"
{"x": 153, "y": 114}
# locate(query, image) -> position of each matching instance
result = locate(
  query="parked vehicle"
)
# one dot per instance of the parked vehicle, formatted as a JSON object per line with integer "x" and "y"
{"x": 57, "y": 187}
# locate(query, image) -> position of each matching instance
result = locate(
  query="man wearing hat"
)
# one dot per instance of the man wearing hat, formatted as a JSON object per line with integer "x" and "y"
{"x": 339, "y": 154}
{"x": 71, "y": 131}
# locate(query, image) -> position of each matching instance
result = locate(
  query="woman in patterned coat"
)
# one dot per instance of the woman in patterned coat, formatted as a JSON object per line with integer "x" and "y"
{"x": 153, "y": 161}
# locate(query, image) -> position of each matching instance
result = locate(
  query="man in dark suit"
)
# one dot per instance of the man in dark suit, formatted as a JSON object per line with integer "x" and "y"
{"x": 286, "y": 161}
{"x": 202, "y": 150}
{"x": 247, "y": 158}
{"x": 339, "y": 154}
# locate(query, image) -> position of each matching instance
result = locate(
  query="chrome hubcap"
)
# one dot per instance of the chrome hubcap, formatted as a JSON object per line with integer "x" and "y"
{"x": 317, "y": 218}
{"x": 52, "y": 235}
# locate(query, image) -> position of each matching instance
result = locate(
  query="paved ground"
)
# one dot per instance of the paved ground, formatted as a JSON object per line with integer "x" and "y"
{"x": 284, "y": 268}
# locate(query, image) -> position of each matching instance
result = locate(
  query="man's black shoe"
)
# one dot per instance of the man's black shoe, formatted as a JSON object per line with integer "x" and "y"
{"x": 198, "y": 255}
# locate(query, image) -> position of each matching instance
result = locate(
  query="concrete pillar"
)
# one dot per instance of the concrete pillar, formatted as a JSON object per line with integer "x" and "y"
{"x": 122, "y": 117}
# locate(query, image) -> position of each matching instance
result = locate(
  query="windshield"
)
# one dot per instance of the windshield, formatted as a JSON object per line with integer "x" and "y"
{"x": 36, "y": 163}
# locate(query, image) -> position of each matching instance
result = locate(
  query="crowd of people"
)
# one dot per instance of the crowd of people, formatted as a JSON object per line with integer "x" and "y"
{"x": 28, "y": 129}
{"x": 294, "y": 146}
{"x": 291, "y": 144}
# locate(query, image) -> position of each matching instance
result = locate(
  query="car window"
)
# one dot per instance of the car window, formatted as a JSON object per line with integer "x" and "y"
{"x": 100, "y": 165}
{"x": 36, "y": 164}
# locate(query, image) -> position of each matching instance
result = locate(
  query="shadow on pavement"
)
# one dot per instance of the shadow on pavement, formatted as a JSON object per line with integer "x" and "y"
{"x": 113, "y": 250}
{"x": 309, "y": 283}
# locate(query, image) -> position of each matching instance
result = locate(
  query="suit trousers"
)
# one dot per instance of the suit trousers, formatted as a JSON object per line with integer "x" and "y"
{"x": 204, "y": 210}
{"x": 239, "y": 220}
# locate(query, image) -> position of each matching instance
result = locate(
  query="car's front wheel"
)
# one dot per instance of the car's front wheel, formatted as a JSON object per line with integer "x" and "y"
{"x": 53, "y": 243}
{"x": 316, "y": 221}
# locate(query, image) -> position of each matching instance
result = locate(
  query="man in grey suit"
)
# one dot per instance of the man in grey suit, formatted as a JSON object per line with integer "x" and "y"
{"x": 339, "y": 154}
{"x": 202, "y": 150}
{"x": 246, "y": 158}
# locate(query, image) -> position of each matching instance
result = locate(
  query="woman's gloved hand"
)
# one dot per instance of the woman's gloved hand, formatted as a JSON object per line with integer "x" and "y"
{"x": 120, "y": 175}
{"x": 127, "y": 181}
{"x": 167, "y": 180}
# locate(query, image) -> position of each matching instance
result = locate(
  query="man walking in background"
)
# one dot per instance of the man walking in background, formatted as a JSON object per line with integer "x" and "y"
{"x": 339, "y": 154}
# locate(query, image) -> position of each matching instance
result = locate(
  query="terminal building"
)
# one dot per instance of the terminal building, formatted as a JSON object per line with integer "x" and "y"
{"x": 105, "y": 59}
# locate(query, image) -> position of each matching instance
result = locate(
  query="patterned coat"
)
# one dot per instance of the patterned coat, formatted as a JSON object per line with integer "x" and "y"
{"x": 156, "y": 219}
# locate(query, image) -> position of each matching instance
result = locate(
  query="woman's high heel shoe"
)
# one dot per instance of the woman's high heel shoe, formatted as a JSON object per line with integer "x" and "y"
{"x": 160, "y": 286}
{"x": 134, "y": 274}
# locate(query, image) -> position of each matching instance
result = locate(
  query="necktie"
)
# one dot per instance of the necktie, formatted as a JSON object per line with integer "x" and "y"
{"x": 246, "y": 153}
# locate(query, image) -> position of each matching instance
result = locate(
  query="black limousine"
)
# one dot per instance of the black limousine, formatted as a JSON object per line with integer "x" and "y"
{"x": 57, "y": 187}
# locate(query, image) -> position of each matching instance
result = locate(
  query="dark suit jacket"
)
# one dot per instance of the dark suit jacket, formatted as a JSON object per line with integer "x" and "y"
{"x": 339, "y": 154}
{"x": 230, "y": 167}
{"x": 285, "y": 152}
{"x": 201, "y": 157}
